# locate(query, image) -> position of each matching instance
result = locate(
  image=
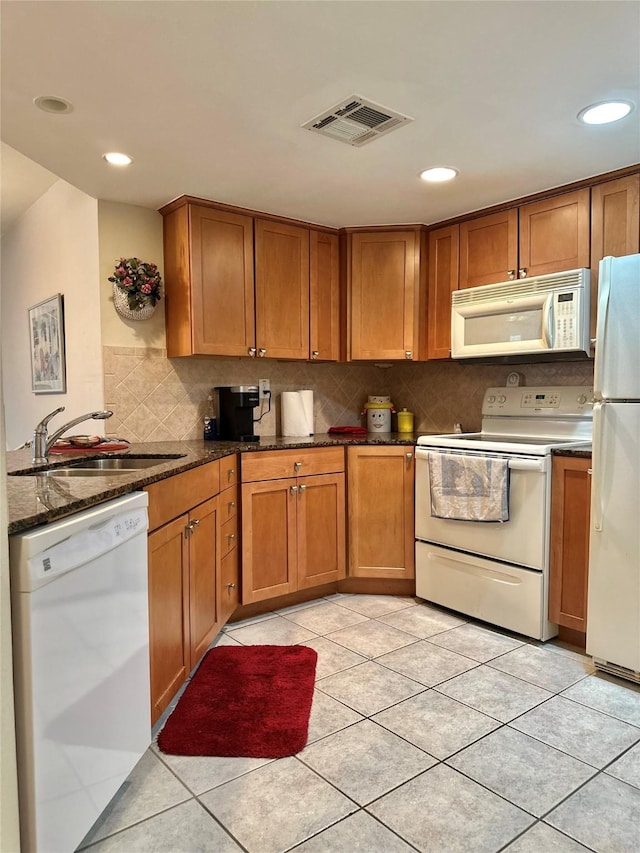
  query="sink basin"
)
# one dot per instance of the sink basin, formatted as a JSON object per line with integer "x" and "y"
{"x": 102, "y": 467}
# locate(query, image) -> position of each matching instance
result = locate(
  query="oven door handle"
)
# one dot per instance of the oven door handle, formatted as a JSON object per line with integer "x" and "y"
{"x": 529, "y": 464}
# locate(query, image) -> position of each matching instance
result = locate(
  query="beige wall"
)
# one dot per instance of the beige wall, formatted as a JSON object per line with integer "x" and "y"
{"x": 128, "y": 231}
{"x": 53, "y": 248}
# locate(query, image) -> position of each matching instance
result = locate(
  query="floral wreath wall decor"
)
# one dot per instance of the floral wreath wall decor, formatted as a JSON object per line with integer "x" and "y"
{"x": 137, "y": 288}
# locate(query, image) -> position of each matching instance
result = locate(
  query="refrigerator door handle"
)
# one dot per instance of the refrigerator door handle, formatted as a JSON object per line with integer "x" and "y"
{"x": 604, "y": 289}
{"x": 596, "y": 467}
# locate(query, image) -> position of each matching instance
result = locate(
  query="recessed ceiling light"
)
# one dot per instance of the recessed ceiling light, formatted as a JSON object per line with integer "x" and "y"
{"x": 53, "y": 104}
{"x": 438, "y": 174}
{"x": 118, "y": 159}
{"x": 605, "y": 112}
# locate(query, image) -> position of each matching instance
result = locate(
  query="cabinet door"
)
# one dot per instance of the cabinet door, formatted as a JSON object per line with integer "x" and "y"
{"x": 569, "y": 559}
{"x": 489, "y": 249}
{"x": 615, "y": 227}
{"x": 384, "y": 294}
{"x": 282, "y": 290}
{"x": 320, "y": 530}
{"x": 381, "y": 512}
{"x": 268, "y": 539}
{"x": 203, "y": 560}
{"x": 168, "y": 613}
{"x": 443, "y": 280}
{"x": 554, "y": 234}
{"x": 222, "y": 309}
{"x": 228, "y": 587}
{"x": 324, "y": 275}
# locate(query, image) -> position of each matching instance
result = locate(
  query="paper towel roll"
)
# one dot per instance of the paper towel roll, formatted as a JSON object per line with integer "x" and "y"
{"x": 297, "y": 413}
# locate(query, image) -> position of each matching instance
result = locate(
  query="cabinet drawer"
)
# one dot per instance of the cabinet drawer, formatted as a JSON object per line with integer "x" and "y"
{"x": 278, "y": 464}
{"x": 171, "y": 497}
{"x": 228, "y": 536}
{"x": 228, "y": 471}
{"x": 229, "y": 503}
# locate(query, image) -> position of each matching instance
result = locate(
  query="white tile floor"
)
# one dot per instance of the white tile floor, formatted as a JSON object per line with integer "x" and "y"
{"x": 428, "y": 732}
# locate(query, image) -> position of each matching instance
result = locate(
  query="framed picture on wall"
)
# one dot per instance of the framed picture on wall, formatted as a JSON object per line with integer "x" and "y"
{"x": 46, "y": 335}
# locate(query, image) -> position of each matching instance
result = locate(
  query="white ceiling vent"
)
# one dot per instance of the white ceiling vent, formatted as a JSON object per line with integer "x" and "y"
{"x": 356, "y": 121}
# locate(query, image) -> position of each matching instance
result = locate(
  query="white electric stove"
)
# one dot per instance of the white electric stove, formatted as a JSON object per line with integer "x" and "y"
{"x": 498, "y": 571}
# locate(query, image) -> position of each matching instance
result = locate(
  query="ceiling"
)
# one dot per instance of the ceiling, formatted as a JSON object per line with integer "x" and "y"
{"x": 208, "y": 97}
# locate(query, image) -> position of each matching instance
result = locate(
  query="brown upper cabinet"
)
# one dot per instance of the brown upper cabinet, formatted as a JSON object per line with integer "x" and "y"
{"x": 238, "y": 285}
{"x": 489, "y": 249}
{"x": 443, "y": 280}
{"x": 554, "y": 234}
{"x": 282, "y": 290}
{"x": 534, "y": 239}
{"x": 615, "y": 227}
{"x": 387, "y": 290}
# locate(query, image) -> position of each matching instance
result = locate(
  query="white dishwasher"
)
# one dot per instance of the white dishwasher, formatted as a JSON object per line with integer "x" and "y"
{"x": 81, "y": 666}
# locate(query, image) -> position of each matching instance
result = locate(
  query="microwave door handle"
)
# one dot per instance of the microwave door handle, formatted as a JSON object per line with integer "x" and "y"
{"x": 547, "y": 322}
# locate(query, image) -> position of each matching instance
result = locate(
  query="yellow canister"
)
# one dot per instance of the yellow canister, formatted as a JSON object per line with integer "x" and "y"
{"x": 405, "y": 421}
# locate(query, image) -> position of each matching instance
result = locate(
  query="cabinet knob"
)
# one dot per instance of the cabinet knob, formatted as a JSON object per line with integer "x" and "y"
{"x": 252, "y": 352}
{"x": 230, "y": 473}
{"x": 511, "y": 274}
{"x": 231, "y": 536}
{"x": 302, "y": 489}
{"x": 231, "y": 586}
{"x": 315, "y": 353}
{"x": 297, "y": 466}
{"x": 408, "y": 354}
{"x": 192, "y": 525}
{"x": 589, "y": 471}
{"x": 262, "y": 352}
{"x": 409, "y": 456}
{"x": 231, "y": 504}
{"x": 522, "y": 272}
{"x": 293, "y": 489}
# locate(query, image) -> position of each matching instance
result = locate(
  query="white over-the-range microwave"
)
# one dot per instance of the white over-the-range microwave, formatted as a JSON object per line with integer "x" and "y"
{"x": 545, "y": 316}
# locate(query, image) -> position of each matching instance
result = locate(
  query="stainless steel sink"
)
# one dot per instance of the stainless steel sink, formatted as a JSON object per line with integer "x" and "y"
{"x": 101, "y": 467}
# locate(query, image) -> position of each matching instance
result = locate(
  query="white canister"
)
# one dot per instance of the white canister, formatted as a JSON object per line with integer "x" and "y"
{"x": 378, "y": 416}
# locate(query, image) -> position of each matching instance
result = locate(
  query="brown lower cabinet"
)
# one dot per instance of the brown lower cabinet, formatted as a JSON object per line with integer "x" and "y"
{"x": 569, "y": 564}
{"x": 381, "y": 511}
{"x": 192, "y": 590}
{"x": 293, "y": 527}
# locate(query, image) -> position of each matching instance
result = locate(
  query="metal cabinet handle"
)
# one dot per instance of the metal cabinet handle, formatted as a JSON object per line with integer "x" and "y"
{"x": 192, "y": 526}
{"x": 511, "y": 274}
{"x": 522, "y": 272}
{"x": 252, "y": 352}
{"x": 231, "y": 586}
{"x": 409, "y": 455}
{"x": 315, "y": 353}
{"x": 408, "y": 354}
{"x": 293, "y": 489}
{"x": 231, "y": 504}
{"x": 262, "y": 352}
{"x": 231, "y": 536}
{"x": 297, "y": 466}
{"x": 303, "y": 489}
{"x": 230, "y": 473}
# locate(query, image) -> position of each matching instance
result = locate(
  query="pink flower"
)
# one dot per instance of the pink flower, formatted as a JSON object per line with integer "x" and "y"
{"x": 146, "y": 288}
{"x": 127, "y": 281}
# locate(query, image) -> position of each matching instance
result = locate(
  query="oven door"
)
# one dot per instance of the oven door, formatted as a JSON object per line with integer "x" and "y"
{"x": 523, "y": 540}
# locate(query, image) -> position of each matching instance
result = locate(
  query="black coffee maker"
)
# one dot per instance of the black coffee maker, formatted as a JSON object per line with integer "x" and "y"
{"x": 235, "y": 412}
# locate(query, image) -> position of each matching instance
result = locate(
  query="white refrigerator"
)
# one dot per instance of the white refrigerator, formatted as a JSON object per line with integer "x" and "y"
{"x": 613, "y": 616}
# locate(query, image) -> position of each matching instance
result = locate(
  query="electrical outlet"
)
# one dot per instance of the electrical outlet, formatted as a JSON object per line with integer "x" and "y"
{"x": 265, "y": 388}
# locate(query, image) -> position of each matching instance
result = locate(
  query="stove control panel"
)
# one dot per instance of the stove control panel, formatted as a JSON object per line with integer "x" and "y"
{"x": 545, "y": 401}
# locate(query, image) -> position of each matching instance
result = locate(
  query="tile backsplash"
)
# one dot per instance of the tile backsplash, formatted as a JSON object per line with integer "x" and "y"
{"x": 155, "y": 398}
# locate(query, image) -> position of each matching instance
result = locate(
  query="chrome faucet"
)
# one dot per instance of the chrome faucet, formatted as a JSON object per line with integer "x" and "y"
{"x": 42, "y": 443}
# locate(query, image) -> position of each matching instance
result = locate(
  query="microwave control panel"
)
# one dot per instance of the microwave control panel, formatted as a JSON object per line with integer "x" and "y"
{"x": 566, "y": 317}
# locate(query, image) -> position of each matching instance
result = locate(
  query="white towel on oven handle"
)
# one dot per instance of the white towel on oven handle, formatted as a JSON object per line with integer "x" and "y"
{"x": 469, "y": 488}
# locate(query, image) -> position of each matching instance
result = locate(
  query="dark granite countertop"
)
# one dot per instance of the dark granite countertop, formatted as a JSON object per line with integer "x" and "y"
{"x": 584, "y": 453}
{"x": 39, "y": 499}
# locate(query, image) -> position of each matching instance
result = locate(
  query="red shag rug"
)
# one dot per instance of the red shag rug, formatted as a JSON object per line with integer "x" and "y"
{"x": 251, "y": 701}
